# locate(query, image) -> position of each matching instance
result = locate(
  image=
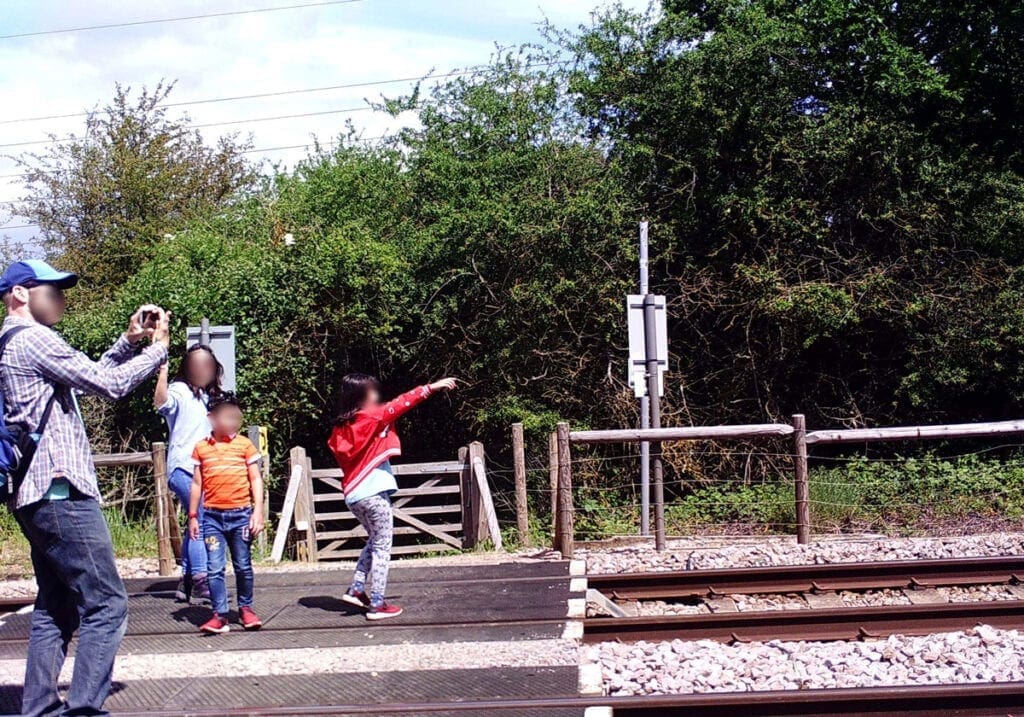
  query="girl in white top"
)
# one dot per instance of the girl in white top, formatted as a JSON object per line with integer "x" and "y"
{"x": 183, "y": 404}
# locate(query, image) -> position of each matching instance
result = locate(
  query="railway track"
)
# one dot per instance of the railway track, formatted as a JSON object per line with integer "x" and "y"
{"x": 820, "y": 624}
{"x": 969, "y": 700}
{"x": 905, "y": 574}
{"x": 817, "y": 623}
{"x": 8, "y": 605}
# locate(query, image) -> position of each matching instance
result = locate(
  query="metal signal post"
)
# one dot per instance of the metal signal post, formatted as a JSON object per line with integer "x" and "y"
{"x": 645, "y": 410}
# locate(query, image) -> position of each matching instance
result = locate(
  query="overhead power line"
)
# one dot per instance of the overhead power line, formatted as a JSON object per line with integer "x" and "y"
{"x": 157, "y": 21}
{"x": 281, "y": 93}
{"x": 208, "y": 124}
{"x": 256, "y": 150}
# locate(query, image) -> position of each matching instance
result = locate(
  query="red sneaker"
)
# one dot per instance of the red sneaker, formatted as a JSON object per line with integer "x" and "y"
{"x": 249, "y": 619}
{"x": 216, "y": 625}
{"x": 360, "y": 599}
{"x": 383, "y": 612}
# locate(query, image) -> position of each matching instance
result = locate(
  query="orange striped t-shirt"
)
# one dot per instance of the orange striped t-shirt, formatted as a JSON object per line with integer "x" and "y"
{"x": 224, "y": 463}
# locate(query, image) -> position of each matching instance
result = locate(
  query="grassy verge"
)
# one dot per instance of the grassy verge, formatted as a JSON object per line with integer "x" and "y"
{"x": 132, "y": 539}
{"x": 911, "y": 496}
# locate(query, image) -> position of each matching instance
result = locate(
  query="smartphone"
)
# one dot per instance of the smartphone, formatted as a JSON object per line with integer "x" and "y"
{"x": 246, "y": 534}
{"x": 148, "y": 318}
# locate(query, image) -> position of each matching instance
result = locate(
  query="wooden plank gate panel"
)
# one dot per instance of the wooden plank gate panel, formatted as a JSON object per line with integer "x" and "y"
{"x": 428, "y": 509}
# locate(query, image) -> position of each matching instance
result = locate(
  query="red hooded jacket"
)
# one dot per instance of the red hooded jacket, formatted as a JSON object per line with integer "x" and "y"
{"x": 369, "y": 439}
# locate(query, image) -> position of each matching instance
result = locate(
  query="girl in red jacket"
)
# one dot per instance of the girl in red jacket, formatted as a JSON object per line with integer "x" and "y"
{"x": 363, "y": 441}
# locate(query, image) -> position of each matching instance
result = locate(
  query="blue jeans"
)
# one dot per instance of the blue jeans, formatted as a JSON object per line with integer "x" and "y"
{"x": 193, "y": 554}
{"x": 79, "y": 589}
{"x": 224, "y": 529}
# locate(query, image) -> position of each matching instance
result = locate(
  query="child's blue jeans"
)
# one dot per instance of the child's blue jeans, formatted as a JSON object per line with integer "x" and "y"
{"x": 223, "y": 530}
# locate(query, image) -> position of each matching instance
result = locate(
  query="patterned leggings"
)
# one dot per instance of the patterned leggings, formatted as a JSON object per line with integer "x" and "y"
{"x": 374, "y": 514}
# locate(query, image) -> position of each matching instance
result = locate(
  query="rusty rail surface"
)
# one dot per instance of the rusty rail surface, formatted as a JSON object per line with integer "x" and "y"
{"x": 810, "y": 624}
{"x": 808, "y": 578}
{"x": 967, "y": 700}
{"x": 16, "y": 603}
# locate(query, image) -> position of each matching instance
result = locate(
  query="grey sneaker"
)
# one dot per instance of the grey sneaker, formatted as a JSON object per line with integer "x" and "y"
{"x": 200, "y": 587}
{"x": 184, "y": 590}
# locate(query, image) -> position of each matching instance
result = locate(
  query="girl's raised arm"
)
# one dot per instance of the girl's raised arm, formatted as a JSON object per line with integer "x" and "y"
{"x": 160, "y": 395}
{"x": 397, "y": 407}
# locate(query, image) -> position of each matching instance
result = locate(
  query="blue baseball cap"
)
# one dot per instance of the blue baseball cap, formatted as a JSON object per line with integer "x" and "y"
{"x": 33, "y": 270}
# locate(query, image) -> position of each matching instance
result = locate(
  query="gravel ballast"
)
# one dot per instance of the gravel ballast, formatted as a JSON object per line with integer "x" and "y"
{"x": 847, "y": 598}
{"x": 983, "y": 654}
{"x": 692, "y": 554}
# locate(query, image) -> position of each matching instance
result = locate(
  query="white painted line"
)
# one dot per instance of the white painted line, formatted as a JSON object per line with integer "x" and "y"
{"x": 577, "y": 567}
{"x": 597, "y": 712}
{"x": 573, "y": 630}
{"x": 578, "y": 585}
{"x": 26, "y": 610}
{"x": 591, "y": 681}
{"x": 577, "y": 607}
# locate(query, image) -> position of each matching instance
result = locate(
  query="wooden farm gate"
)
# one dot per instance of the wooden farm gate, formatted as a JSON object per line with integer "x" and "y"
{"x": 440, "y": 506}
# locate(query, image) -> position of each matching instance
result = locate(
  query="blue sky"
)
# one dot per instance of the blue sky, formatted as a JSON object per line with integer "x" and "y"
{"x": 361, "y": 41}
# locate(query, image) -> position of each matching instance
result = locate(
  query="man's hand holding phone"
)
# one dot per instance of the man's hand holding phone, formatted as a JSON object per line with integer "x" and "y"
{"x": 149, "y": 321}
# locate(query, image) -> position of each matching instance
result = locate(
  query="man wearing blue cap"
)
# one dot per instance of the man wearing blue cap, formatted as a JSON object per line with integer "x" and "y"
{"x": 57, "y": 504}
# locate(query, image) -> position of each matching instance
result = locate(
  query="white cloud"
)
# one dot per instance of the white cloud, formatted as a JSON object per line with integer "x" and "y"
{"x": 250, "y": 54}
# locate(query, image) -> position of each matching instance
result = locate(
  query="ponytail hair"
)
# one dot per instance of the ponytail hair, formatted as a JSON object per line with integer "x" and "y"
{"x": 355, "y": 387}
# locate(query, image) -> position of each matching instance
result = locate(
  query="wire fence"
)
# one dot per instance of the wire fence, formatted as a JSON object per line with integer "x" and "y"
{"x": 902, "y": 487}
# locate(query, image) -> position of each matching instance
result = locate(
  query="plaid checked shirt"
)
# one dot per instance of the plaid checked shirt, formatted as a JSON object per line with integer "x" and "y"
{"x": 37, "y": 359}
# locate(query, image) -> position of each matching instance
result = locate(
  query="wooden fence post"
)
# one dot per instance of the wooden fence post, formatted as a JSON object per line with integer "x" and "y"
{"x": 803, "y": 508}
{"x": 519, "y": 465}
{"x": 174, "y": 526}
{"x": 311, "y": 540}
{"x": 303, "y": 500}
{"x": 165, "y": 554}
{"x": 258, "y": 436}
{"x": 476, "y": 457}
{"x": 488, "y": 515}
{"x": 553, "y": 480}
{"x": 470, "y": 536}
{"x": 565, "y": 505}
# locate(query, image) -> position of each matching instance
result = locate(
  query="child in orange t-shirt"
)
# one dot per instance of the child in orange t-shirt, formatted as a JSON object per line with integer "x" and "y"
{"x": 228, "y": 482}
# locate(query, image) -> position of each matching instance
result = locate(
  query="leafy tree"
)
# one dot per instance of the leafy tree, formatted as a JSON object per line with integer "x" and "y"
{"x": 832, "y": 183}
{"x": 103, "y": 199}
{"x": 523, "y": 238}
{"x": 303, "y": 309}
{"x": 836, "y": 197}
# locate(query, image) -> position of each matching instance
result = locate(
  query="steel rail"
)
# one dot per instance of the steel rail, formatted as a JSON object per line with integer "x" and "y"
{"x": 16, "y": 603}
{"x": 964, "y": 700}
{"x": 808, "y": 578}
{"x": 846, "y": 623}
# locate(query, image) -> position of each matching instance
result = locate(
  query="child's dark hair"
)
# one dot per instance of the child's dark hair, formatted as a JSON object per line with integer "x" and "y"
{"x": 224, "y": 398}
{"x": 355, "y": 387}
{"x": 213, "y": 387}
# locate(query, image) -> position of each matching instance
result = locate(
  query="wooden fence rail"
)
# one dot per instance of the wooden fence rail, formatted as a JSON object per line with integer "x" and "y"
{"x": 168, "y": 532}
{"x": 562, "y": 440}
{"x": 682, "y": 433}
{"x": 914, "y": 433}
